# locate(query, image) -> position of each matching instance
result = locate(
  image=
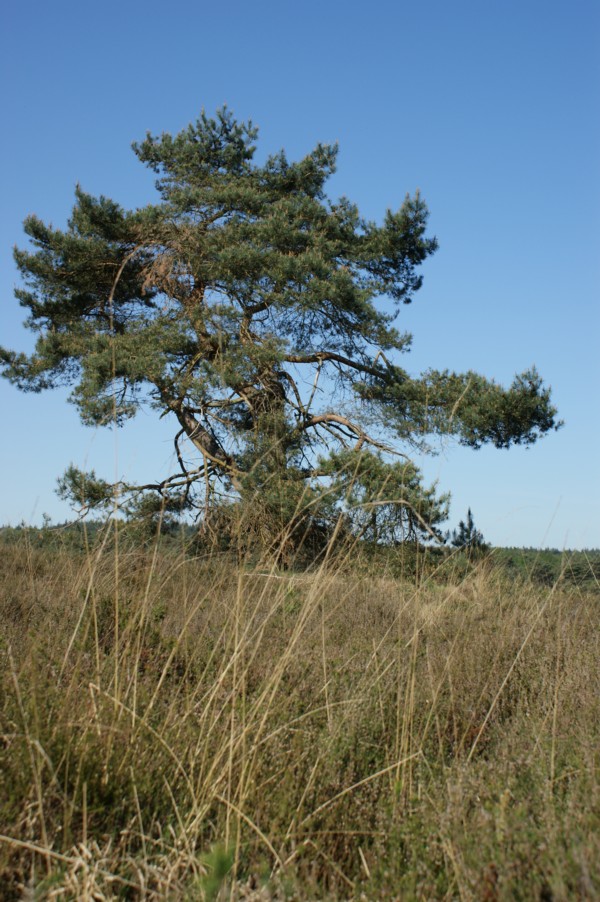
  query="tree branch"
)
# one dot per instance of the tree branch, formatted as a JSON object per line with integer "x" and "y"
{"x": 324, "y": 356}
{"x": 336, "y": 418}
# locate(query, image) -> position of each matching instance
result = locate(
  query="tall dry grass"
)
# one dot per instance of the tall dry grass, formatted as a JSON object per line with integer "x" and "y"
{"x": 180, "y": 728}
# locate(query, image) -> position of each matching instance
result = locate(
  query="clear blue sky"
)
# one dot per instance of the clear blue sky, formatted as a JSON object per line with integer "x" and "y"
{"x": 491, "y": 109}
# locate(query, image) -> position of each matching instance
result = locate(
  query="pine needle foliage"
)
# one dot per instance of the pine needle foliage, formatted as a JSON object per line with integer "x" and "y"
{"x": 259, "y": 315}
{"x": 468, "y": 537}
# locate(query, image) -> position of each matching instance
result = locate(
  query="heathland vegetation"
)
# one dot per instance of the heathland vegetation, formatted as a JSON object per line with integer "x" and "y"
{"x": 179, "y": 723}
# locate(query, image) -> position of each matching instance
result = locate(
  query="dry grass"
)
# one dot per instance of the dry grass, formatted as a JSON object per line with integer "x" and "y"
{"x": 193, "y": 729}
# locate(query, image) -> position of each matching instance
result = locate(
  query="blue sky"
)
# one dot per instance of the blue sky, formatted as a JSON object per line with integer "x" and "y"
{"x": 491, "y": 109}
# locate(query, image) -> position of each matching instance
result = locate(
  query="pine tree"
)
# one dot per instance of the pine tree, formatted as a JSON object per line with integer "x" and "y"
{"x": 259, "y": 316}
{"x": 468, "y": 537}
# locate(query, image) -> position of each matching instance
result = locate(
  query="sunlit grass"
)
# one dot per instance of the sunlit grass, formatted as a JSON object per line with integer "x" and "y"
{"x": 180, "y": 727}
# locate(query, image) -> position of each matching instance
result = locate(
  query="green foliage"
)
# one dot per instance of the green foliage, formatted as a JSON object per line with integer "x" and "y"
{"x": 84, "y": 490}
{"x": 385, "y": 502}
{"x": 151, "y": 514}
{"x": 550, "y": 566}
{"x": 218, "y": 863}
{"x": 260, "y": 316}
{"x": 468, "y": 537}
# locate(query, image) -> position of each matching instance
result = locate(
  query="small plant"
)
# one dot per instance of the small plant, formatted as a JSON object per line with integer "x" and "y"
{"x": 218, "y": 864}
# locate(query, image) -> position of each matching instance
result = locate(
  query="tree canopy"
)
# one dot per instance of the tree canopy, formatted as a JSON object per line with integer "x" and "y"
{"x": 260, "y": 316}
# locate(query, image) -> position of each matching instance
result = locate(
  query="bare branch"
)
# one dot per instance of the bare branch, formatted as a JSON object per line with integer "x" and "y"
{"x": 401, "y": 502}
{"x": 315, "y": 385}
{"x": 324, "y": 356}
{"x": 344, "y": 422}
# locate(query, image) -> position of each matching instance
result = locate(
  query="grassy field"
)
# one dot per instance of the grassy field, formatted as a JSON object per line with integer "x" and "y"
{"x": 180, "y": 727}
